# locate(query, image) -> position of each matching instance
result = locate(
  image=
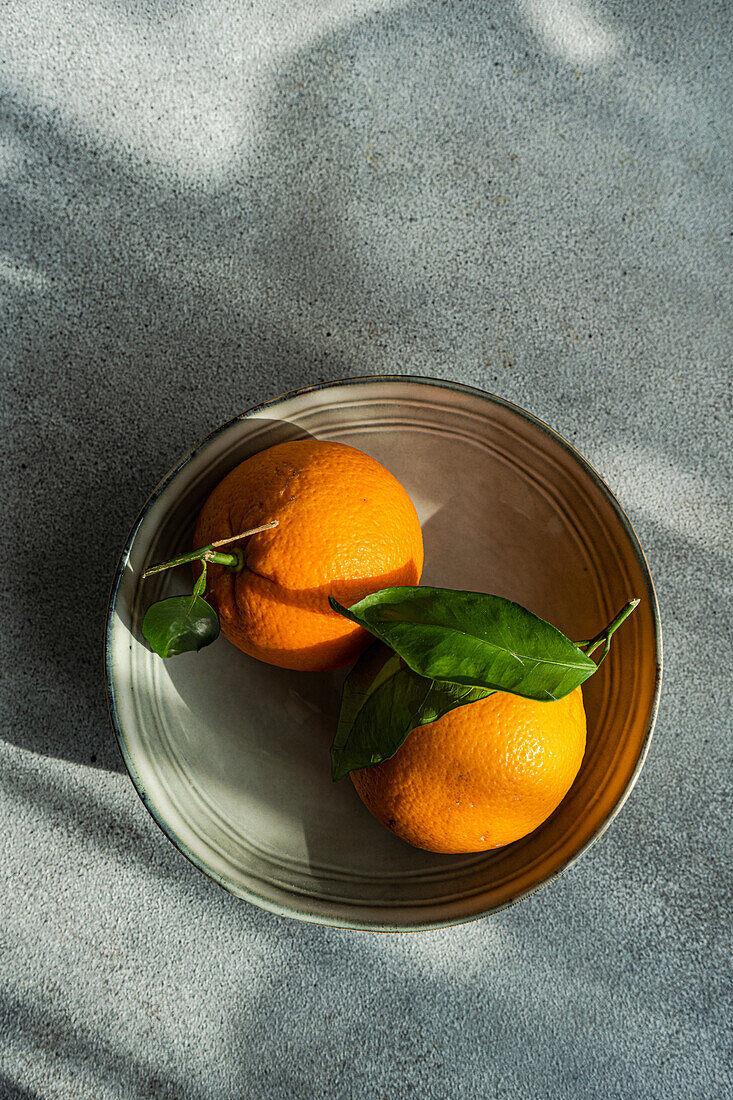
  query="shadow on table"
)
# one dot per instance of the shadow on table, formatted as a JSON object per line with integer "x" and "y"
{"x": 10, "y": 1091}
{"x": 59, "y": 1038}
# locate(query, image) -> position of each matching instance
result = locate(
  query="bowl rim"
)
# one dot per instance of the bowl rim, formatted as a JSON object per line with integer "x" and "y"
{"x": 294, "y": 910}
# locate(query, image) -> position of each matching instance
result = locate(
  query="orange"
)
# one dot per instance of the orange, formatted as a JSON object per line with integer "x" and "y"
{"x": 346, "y": 528}
{"x": 482, "y": 776}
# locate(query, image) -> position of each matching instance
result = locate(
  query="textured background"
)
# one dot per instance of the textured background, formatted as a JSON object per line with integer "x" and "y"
{"x": 205, "y": 205}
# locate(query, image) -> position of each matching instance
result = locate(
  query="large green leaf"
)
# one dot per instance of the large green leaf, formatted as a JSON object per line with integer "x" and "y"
{"x": 374, "y": 666}
{"x": 179, "y": 624}
{"x": 473, "y": 639}
{"x": 383, "y": 701}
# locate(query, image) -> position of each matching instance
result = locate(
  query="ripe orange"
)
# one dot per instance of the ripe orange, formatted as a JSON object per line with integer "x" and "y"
{"x": 346, "y": 528}
{"x": 482, "y": 776}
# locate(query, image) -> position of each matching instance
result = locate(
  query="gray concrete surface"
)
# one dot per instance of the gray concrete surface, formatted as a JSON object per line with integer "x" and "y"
{"x": 205, "y": 205}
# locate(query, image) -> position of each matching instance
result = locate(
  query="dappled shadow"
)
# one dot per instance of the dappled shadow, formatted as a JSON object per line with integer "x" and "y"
{"x": 525, "y": 998}
{"x": 78, "y": 808}
{"x": 114, "y": 378}
{"x": 427, "y": 192}
{"x": 50, "y": 1037}
{"x": 11, "y": 1091}
{"x": 364, "y": 236}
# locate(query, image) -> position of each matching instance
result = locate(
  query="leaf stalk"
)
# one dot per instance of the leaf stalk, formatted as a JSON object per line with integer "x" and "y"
{"x": 204, "y": 553}
{"x": 605, "y": 635}
{"x": 209, "y": 553}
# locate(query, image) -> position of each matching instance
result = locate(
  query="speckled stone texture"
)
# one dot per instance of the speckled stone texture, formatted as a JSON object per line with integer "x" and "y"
{"x": 204, "y": 205}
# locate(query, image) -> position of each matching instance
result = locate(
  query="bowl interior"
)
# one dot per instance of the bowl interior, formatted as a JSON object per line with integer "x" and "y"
{"x": 231, "y": 756}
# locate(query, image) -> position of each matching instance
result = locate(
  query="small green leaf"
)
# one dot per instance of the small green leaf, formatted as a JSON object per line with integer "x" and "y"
{"x": 473, "y": 639}
{"x": 199, "y": 588}
{"x": 383, "y": 701}
{"x": 180, "y": 624}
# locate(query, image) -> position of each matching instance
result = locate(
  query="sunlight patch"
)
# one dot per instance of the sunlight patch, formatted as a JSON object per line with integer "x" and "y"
{"x": 569, "y": 28}
{"x": 21, "y": 275}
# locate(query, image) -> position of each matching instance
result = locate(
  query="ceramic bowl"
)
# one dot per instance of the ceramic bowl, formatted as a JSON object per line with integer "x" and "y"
{"x": 231, "y": 757}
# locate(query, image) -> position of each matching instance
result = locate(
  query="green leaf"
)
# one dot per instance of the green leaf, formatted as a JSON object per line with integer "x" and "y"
{"x": 374, "y": 666}
{"x": 383, "y": 701}
{"x": 180, "y": 624}
{"x": 444, "y": 696}
{"x": 379, "y": 707}
{"x": 473, "y": 639}
{"x": 199, "y": 588}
